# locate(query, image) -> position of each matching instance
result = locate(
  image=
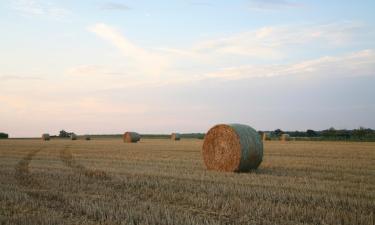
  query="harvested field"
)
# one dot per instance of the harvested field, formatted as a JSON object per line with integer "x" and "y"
{"x": 163, "y": 182}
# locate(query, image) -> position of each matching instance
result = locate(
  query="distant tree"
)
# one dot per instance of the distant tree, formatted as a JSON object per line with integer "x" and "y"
{"x": 331, "y": 132}
{"x": 278, "y": 132}
{"x": 4, "y": 136}
{"x": 362, "y": 132}
{"x": 201, "y": 136}
{"x": 311, "y": 133}
{"x": 343, "y": 134}
{"x": 63, "y": 133}
{"x": 297, "y": 133}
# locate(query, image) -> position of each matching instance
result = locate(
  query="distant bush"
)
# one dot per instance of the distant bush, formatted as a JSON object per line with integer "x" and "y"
{"x": 64, "y": 134}
{"x": 4, "y": 136}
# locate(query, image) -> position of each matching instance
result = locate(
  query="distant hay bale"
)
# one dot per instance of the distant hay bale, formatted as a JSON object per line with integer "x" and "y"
{"x": 46, "y": 137}
{"x": 233, "y": 148}
{"x": 131, "y": 137}
{"x": 73, "y": 137}
{"x": 285, "y": 137}
{"x": 266, "y": 136}
{"x": 87, "y": 138}
{"x": 175, "y": 136}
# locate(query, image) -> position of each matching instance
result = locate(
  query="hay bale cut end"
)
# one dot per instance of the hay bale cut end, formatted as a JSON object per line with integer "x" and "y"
{"x": 232, "y": 148}
{"x": 131, "y": 137}
{"x": 175, "y": 137}
{"x": 73, "y": 137}
{"x": 46, "y": 137}
{"x": 285, "y": 137}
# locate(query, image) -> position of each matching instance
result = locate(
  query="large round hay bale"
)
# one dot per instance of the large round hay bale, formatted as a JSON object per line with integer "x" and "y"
{"x": 73, "y": 137}
{"x": 131, "y": 137}
{"x": 175, "y": 136}
{"x": 232, "y": 147}
{"x": 285, "y": 137}
{"x": 46, "y": 137}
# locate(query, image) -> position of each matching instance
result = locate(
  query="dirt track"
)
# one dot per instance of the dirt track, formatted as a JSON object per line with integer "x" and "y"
{"x": 22, "y": 173}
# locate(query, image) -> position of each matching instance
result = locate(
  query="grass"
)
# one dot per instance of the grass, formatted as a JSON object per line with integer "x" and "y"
{"x": 106, "y": 181}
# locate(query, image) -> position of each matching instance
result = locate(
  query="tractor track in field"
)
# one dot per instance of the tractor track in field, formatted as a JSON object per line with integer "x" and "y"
{"x": 42, "y": 195}
{"x": 55, "y": 200}
{"x": 100, "y": 176}
{"x": 22, "y": 173}
{"x": 67, "y": 158}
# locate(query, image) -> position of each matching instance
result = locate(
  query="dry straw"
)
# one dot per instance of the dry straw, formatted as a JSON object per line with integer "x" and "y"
{"x": 175, "y": 136}
{"x": 131, "y": 137}
{"x": 285, "y": 137}
{"x": 73, "y": 137}
{"x": 45, "y": 137}
{"x": 232, "y": 147}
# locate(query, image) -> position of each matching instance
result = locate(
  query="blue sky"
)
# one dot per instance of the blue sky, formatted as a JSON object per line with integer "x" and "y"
{"x": 108, "y": 66}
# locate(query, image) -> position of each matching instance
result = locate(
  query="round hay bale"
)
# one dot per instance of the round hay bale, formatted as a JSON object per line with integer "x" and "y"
{"x": 131, "y": 137}
{"x": 266, "y": 136}
{"x": 233, "y": 148}
{"x": 46, "y": 137}
{"x": 73, "y": 137}
{"x": 175, "y": 136}
{"x": 87, "y": 138}
{"x": 285, "y": 137}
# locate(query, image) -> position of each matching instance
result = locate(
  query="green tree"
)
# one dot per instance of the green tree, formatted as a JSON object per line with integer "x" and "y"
{"x": 330, "y": 133}
{"x": 311, "y": 133}
{"x": 278, "y": 132}
{"x": 362, "y": 133}
{"x": 4, "y": 136}
{"x": 63, "y": 133}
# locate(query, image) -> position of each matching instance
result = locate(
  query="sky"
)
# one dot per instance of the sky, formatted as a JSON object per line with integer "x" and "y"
{"x": 110, "y": 66}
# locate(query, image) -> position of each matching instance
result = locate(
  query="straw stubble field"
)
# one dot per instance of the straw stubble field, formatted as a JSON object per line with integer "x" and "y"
{"x": 165, "y": 182}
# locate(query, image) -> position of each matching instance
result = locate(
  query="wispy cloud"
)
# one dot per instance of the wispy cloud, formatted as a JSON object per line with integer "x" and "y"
{"x": 199, "y": 3}
{"x": 273, "y": 4}
{"x": 360, "y": 63}
{"x": 268, "y": 43}
{"x": 276, "y": 42}
{"x": 138, "y": 58}
{"x": 39, "y": 8}
{"x": 114, "y": 6}
{"x": 15, "y": 77}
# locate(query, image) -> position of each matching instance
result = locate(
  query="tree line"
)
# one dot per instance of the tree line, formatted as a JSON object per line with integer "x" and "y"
{"x": 360, "y": 134}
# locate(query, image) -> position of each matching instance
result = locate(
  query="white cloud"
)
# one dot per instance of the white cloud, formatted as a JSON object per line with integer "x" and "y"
{"x": 16, "y": 77}
{"x": 263, "y": 5}
{"x": 272, "y": 43}
{"x": 139, "y": 59}
{"x": 90, "y": 71}
{"x": 236, "y": 53}
{"x": 115, "y": 6}
{"x": 39, "y": 8}
{"x": 360, "y": 63}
